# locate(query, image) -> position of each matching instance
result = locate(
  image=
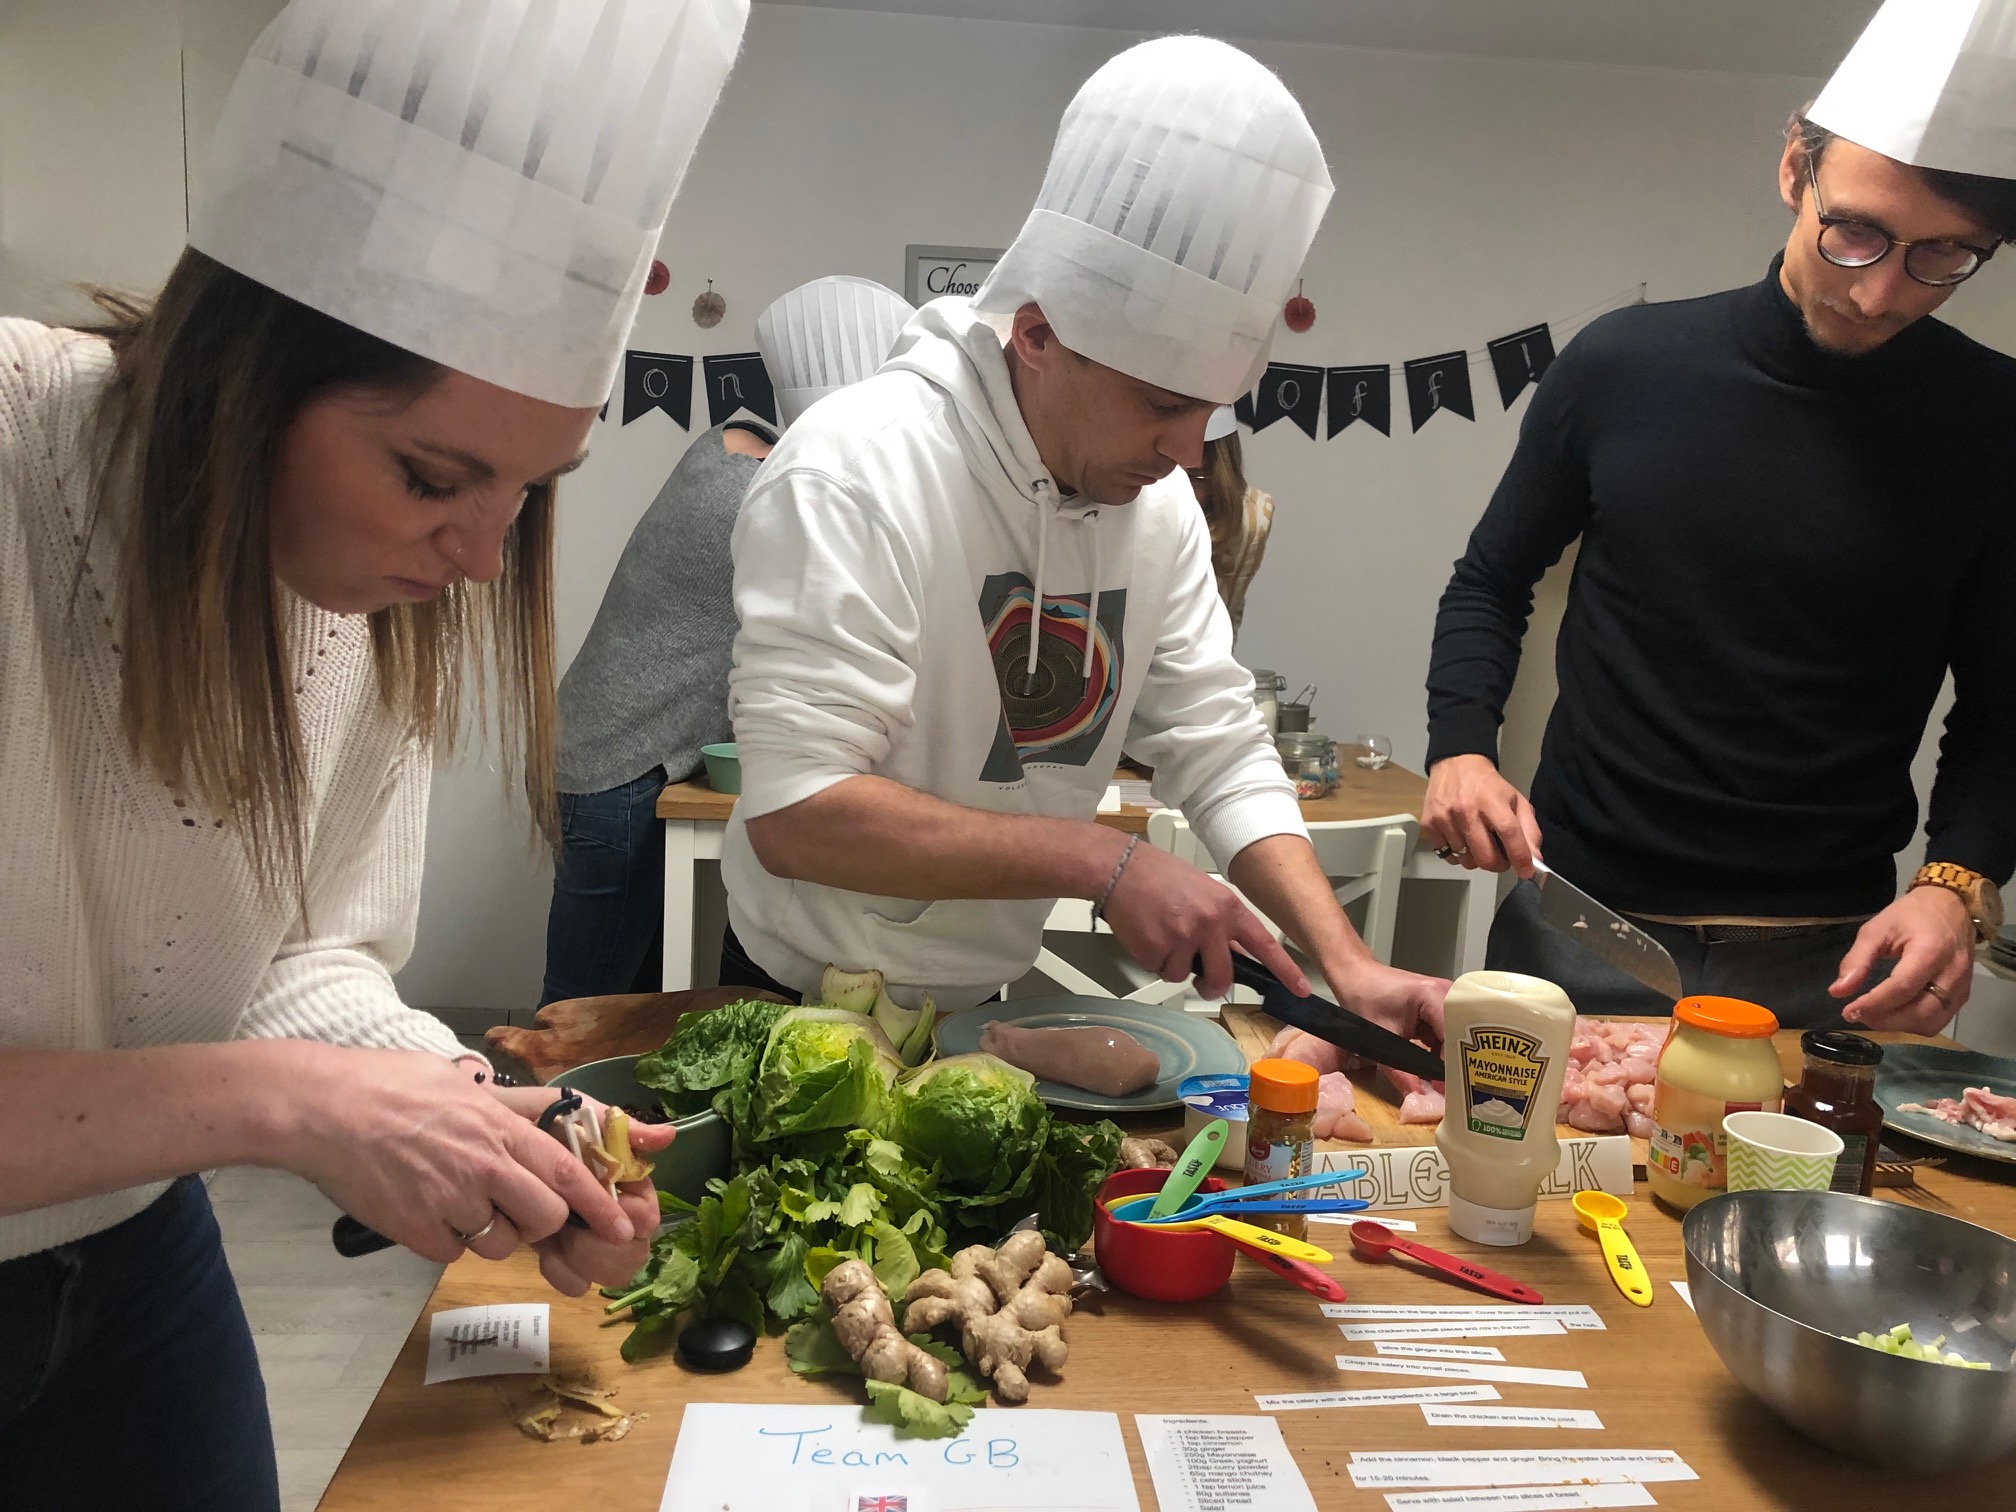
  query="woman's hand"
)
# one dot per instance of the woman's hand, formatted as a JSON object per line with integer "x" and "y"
{"x": 410, "y": 1144}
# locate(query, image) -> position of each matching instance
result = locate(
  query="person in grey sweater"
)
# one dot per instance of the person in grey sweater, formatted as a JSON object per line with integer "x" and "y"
{"x": 650, "y": 685}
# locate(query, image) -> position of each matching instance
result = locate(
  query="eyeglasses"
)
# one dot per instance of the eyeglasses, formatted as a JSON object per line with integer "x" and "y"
{"x": 1857, "y": 244}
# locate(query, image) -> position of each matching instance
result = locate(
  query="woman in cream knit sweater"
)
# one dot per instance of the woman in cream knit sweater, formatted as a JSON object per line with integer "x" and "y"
{"x": 250, "y": 535}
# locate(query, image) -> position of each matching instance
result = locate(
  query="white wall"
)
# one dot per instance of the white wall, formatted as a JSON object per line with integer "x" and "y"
{"x": 1475, "y": 196}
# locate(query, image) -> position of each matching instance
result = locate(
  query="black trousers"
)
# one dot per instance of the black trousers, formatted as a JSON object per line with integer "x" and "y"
{"x": 1788, "y": 975}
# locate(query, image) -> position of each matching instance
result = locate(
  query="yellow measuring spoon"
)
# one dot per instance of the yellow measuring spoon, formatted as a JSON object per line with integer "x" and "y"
{"x": 1603, "y": 1215}
{"x": 1259, "y": 1238}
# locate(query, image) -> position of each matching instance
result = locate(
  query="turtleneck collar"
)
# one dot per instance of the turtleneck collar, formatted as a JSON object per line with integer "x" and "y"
{"x": 1773, "y": 333}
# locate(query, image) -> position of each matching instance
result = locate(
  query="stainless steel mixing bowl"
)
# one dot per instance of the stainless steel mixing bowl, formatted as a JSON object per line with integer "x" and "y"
{"x": 1777, "y": 1277}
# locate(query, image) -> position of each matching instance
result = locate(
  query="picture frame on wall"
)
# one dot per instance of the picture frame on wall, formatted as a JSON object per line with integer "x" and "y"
{"x": 933, "y": 272}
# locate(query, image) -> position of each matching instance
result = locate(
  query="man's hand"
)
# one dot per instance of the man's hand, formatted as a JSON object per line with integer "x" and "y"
{"x": 1472, "y": 810}
{"x": 1168, "y": 915}
{"x": 1928, "y": 934}
{"x": 1409, "y": 1005}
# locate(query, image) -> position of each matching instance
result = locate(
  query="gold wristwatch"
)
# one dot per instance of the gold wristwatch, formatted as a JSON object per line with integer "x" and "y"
{"x": 1982, "y": 897}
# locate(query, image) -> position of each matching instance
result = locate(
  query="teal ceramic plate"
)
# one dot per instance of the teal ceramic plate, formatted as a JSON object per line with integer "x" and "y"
{"x": 1926, "y": 1073}
{"x": 1187, "y": 1044}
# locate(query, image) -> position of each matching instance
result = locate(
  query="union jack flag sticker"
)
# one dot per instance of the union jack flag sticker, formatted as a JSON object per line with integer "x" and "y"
{"x": 881, "y": 1504}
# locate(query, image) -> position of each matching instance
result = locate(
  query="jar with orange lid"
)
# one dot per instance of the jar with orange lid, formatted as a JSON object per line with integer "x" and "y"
{"x": 1718, "y": 1059}
{"x": 1280, "y": 1133}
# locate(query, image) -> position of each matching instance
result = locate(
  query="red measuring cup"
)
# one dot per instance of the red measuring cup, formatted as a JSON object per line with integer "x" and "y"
{"x": 1373, "y": 1241}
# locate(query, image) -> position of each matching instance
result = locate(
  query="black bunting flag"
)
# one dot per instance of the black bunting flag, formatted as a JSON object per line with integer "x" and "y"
{"x": 737, "y": 380}
{"x": 1288, "y": 389}
{"x": 1242, "y": 410}
{"x": 1520, "y": 359}
{"x": 660, "y": 381}
{"x": 1361, "y": 393}
{"x": 1439, "y": 383}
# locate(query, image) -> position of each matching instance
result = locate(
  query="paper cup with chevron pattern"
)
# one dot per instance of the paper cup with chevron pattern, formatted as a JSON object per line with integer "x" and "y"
{"x": 1775, "y": 1152}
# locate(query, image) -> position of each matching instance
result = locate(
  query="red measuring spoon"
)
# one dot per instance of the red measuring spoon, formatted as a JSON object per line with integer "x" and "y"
{"x": 1297, "y": 1272}
{"x": 1372, "y": 1241}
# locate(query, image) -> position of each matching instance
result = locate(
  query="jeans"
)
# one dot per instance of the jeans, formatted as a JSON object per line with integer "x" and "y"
{"x": 127, "y": 1376}
{"x": 1787, "y": 975}
{"x": 604, "y": 932}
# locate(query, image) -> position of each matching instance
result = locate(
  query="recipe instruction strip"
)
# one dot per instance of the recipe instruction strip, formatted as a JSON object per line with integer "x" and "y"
{"x": 507, "y": 1338}
{"x": 1516, "y": 1467}
{"x": 1221, "y": 1464}
{"x": 1458, "y": 1370}
{"x": 1510, "y": 1417}
{"x": 1398, "y": 1396}
{"x": 1522, "y": 1498}
{"x": 1476, "y": 1328}
{"x": 1408, "y": 1349}
{"x": 1571, "y": 1317}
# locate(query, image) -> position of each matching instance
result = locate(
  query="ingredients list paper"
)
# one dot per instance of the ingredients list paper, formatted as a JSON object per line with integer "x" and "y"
{"x": 1222, "y": 1464}
{"x": 732, "y": 1457}
{"x": 510, "y": 1338}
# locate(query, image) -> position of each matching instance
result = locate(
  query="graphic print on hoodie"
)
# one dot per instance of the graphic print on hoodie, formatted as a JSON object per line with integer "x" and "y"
{"x": 1056, "y": 699}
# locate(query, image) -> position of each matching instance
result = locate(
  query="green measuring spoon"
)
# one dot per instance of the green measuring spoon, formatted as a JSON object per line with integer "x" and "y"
{"x": 1198, "y": 1157}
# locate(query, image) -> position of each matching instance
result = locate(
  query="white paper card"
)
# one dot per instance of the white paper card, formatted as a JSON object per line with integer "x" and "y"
{"x": 1398, "y": 1225}
{"x": 510, "y": 1338}
{"x": 1510, "y": 1417}
{"x": 732, "y": 1457}
{"x": 1409, "y": 1350}
{"x": 1398, "y": 1396}
{"x": 1686, "y": 1293}
{"x": 1476, "y": 1328}
{"x": 1457, "y": 1370}
{"x": 1522, "y": 1498}
{"x": 1570, "y": 1317}
{"x": 1221, "y": 1464}
{"x": 1416, "y": 1176}
{"x": 1517, "y": 1467}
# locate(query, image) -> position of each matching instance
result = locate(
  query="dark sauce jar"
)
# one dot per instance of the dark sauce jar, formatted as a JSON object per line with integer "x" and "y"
{"x": 1837, "y": 1090}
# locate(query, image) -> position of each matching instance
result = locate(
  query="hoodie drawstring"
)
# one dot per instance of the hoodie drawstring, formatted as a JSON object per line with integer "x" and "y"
{"x": 1091, "y": 603}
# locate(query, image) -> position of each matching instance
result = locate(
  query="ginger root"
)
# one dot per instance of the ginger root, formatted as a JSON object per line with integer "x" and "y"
{"x": 865, "y": 1325}
{"x": 1010, "y": 1304}
{"x": 1147, "y": 1154}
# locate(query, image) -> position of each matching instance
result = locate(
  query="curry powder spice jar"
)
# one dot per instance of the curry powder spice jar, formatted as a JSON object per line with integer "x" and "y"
{"x": 1280, "y": 1133}
{"x": 1837, "y": 1090}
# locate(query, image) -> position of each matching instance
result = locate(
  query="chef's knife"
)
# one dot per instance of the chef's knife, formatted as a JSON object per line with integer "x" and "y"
{"x": 1604, "y": 934}
{"x": 1339, "y": 1026}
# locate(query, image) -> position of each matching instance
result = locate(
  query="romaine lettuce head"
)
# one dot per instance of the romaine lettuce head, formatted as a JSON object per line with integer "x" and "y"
{"x": 974, "y": 1120}
{"x": 822, "y": 1068}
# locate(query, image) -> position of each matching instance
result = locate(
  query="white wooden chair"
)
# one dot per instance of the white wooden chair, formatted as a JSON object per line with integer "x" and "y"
{"x": 1364, "y": 858}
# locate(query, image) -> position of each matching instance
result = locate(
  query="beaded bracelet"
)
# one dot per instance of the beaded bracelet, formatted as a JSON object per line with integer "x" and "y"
{"x": 1099, "y": 908}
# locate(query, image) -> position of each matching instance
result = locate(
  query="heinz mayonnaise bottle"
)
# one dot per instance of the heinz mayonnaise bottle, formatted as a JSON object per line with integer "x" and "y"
{"x": 1505, "y": 1047}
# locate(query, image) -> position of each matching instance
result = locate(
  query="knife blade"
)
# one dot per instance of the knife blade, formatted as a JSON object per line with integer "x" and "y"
{"x": 1339, "y": 1026}
{"x": 1605, "y": 934}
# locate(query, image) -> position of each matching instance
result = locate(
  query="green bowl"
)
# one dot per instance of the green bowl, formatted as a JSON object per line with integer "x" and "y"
{"x": 700, "y": 1145}
{"x": 724, "y": 767}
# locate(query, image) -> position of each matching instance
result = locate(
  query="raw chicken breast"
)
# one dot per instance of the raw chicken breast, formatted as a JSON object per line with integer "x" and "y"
{"x": 1107, "y": 1061}
{"x": 1423, "y": 1107}
{"x": 1335, "y": 1114}
{"x": 1293, "y": 1044}
{"x": 1976, "y": 1108}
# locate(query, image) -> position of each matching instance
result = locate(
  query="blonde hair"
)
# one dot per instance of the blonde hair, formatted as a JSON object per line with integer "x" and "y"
{"x": 1224, "y": 501}
{"x": 208, "y": 378}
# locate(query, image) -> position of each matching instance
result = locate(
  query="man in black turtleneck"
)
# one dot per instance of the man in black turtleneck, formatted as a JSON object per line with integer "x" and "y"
{"x": 1797, "y": 509}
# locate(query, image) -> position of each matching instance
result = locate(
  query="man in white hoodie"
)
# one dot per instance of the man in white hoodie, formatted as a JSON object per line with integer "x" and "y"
{"x": 968, "y": 583}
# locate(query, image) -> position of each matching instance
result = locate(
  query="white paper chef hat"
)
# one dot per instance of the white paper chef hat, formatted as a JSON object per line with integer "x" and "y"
{"x": 482, "y": 182}
{"x": 1931, "y": 83}
{"x": 1183, "y": 191}
{"x": 1221, "y": 424}
{"x": 825, "y": 335}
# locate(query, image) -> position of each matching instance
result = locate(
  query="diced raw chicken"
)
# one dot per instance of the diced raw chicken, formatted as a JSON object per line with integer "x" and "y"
{"x": 1336, "y": 1116}
{"x": 1423, "y": 1107}
{"x": 1976, "y": 1108}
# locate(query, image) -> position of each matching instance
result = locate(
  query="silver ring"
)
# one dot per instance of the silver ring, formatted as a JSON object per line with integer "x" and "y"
{"x": 472, "y": 1238}
{"x": 1938, "y": 992}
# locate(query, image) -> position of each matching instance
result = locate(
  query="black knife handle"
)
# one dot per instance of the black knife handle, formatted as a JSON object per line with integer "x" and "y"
{"x": 352, "y": 1238}
{"x": 1338, "y": 1026}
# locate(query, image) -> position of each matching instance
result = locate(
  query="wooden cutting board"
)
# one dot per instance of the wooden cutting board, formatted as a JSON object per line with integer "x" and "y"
{"x": 1254, "y": 1031}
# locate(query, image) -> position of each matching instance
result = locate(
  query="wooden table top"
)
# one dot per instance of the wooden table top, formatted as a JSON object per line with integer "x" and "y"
{"x": 1360, "y": 794}
{"x": 1653, "y": 1379}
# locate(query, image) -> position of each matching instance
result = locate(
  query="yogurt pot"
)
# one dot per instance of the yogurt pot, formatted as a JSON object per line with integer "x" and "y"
{"x": 1221, "y": 1096}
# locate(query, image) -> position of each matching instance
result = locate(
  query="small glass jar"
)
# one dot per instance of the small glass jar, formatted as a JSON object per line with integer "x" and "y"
{"x": 1837, "y": 1090}
{"x": 1280, "y": 1133}
{"x": 1268, "y": 686}
{"x": 1310, "y": 760}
